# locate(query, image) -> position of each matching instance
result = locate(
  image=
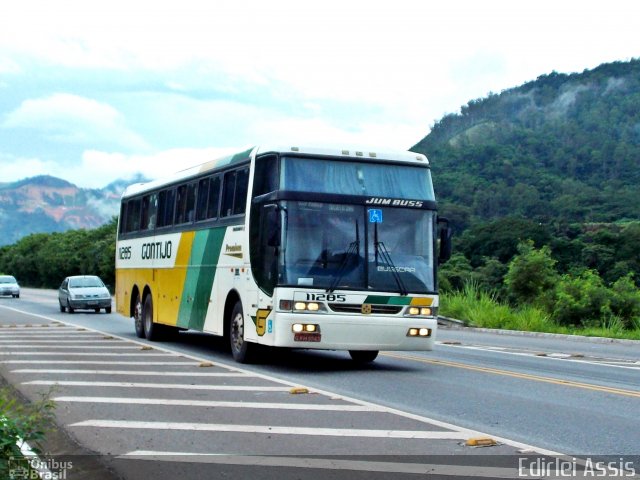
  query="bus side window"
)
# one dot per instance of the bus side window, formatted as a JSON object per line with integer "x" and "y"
{"x": 186, "y": 203}
{"x": 214, "y": 197}
{"x": 123, "y": 217}
{"x": 149, "y": 210}
{"x": 133, "y": 215}
{"x": 228, "y": 190}
{"x": 166, "y": 205}
{"x": 242, "y": 187}
{"x": 203, "y": 195}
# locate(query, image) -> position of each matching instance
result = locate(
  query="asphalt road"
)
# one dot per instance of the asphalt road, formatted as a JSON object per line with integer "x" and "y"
{"x": 549, "y": 393}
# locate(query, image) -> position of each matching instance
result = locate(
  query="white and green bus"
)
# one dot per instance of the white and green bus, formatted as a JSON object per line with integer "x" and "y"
{"x": 286, "y": 247}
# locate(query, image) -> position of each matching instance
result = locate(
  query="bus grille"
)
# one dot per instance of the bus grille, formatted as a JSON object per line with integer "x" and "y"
{"x": 355, "y": 308}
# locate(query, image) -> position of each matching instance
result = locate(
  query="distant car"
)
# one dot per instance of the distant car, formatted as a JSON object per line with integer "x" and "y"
{"x": 9, "y": 286}
{"x": 84, "y": 292}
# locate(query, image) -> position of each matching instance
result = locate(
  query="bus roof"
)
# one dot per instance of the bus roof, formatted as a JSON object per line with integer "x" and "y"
{"x": 244, "y": 156}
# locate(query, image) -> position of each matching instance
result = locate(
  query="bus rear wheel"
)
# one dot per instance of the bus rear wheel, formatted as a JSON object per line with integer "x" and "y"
{"x": 151, "y": 329}
{"x": 137, "y": 317}
{"x": 242, "y": 351}
{"x": 363, "y": 356}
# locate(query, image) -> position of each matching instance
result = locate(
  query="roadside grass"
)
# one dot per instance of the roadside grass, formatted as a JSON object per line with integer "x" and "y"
{"x": 479, "y": 308}
{"x": 20, "y": 422}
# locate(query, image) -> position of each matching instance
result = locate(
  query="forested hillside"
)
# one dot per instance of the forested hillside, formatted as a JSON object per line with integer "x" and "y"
{"x": 541, "y": 184}
{"x": 563, "y": 148}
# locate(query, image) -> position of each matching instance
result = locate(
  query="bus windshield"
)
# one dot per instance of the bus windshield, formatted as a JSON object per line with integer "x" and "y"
{"x": 357, "y": 248}
{"x": 356, "y": 178}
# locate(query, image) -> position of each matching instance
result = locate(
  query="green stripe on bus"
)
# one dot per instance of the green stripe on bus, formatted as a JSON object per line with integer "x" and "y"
{"x": 201, "y": 272}
{"x": 384, "y": 300}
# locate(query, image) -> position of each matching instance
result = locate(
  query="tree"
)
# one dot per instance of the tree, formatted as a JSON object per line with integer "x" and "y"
{"x": 531, "y": 274}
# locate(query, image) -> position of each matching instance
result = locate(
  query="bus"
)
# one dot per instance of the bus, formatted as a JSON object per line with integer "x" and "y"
{"x": 298, "y": 247}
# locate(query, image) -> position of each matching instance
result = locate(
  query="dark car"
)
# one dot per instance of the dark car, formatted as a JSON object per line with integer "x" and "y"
{"x": 84, "y": 292}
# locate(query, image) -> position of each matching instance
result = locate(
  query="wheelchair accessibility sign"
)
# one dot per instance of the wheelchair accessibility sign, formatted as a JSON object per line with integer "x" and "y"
{"x": 375, "y": 215}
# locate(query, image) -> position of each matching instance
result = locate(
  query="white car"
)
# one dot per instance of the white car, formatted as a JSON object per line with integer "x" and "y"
{"x": 9, "y": 286}
{"x": 84, "y": 292}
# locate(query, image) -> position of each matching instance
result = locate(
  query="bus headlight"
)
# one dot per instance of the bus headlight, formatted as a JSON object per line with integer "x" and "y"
{"x": 421, "y": 311}
{"x": 307, "y": 307}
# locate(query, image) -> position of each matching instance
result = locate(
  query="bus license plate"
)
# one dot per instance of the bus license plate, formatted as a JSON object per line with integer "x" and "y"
{"x": 306, "y": 337}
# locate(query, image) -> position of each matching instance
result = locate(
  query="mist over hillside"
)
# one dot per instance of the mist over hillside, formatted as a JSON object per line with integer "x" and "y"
{"x": 45, "y": 204}
{"x": 562, "y": 148}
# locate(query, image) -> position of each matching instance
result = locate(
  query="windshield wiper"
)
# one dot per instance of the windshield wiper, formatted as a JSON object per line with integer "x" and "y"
{"x": 353, "y": 249}
{"x": 381, "y": 249}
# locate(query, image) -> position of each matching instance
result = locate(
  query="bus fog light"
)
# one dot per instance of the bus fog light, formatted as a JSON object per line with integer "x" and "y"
{"x": 424, "y": 332}
{"x": 413, "y": 332}
{"x": 297, "y": 327}
{"x": 310, "y": 328}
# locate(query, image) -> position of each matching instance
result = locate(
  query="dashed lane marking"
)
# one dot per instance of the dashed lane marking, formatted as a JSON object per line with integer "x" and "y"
{"x": 215, "y": 403}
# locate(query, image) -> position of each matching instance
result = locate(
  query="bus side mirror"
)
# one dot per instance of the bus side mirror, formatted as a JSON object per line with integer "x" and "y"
{"x": 272, "y": 225}
{"x": 445, "y": 240}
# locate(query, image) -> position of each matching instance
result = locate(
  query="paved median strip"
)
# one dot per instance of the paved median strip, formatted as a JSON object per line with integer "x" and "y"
{"x": 273, "y": 430}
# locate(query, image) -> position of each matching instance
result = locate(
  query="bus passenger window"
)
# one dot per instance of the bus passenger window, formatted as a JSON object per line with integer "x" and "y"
{"x": 227, "y": 194}
{"x": 133, "y": 215}
{"x": 242, "y": 186}
{"x": 149, "y": 210}
{"x": 214, "y": 197}
{"x": 190, "y": 209}
{"x": 166, "y": 205}
{"x": 201, "y": 204}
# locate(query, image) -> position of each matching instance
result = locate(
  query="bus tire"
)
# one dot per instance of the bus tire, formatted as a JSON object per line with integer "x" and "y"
{"x": 137, "y": 317}
{"x": 242, "y": 351}
{"x": 151, "y": 329}
{"x": 363, "y": 356}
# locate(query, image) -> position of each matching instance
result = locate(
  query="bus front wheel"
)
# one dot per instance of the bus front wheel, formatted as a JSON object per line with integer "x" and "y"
{"x": 363, "y": 356}
{"x": 241, "y": 350}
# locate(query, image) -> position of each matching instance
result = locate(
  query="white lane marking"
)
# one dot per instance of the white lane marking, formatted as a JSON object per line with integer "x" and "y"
{"x": 462, "y": 471}
{"x": 93, "y": 354}
{"x": 133, "y": 372}
{"x": 76, "y": 347}
{"x": 239, "y": 388}
{"x": 215, "y": 403}
{"x": 273, "y": 429}
{"x": 97, "y": 362}
{"x": 54, "y": 341}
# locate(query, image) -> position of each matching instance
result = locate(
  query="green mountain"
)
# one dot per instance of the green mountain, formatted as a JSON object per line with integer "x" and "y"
{"x": 560, "y": 149}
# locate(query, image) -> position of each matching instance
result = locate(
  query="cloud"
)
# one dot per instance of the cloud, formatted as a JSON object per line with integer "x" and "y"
{"x": 74, "y": 119}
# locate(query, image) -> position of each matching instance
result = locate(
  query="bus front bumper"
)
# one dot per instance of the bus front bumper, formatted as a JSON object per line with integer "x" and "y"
{"x": 354, "y": 333}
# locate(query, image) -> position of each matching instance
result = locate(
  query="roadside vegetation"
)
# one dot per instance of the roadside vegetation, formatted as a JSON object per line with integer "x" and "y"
{"x": 19, "y": 423}
{"x": 534, "y": 296}
{"x": 43, "y": 260}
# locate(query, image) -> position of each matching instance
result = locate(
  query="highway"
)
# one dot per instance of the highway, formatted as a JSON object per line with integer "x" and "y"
{"x": 534, "y": 394}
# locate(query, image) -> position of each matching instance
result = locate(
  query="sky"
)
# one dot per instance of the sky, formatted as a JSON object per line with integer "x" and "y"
{"x": 92, "y": 92}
